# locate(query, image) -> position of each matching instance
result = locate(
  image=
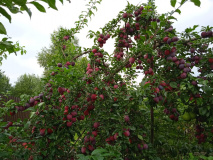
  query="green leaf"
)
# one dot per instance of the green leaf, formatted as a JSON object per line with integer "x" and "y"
{"x": 8, "y": 3}
{"x": 98, "y": 151}
{"x": 154, "y": 24}
{"x": 183, "y": 1}
{"x": 173, "y": 2}
{"x": 209, "y": 75}
{"x": 25, "y": 8}
{"x": 206, "y": 88}
{"x": 13, "y": 9}
{"x": 177, "y": 10}
{"x": 132, "y": 128}
{"x": 41, "y": 104}
{"x": 44, "y": 152}
{"x": 52, "y": 4}
{"x": 173, "y": 84}
{"x": 72, "y": 47}
{"x": 82, "y": 157}
{"x": 38, "y": 6}
{"x": 4, "y": 13}
{"x": 4, "y": 39}
{"x": 149, "y": 32}
{"x": 97, "y": 158}
{"x": 140, "y": 137}
{"x": 20, "y": 2}
{"x": 32, "y": 114}
{"x": 27, "y": 124}
{"x": 202, "y": 111}
{"x": 196, "y": 2}
{"x": 171, "y": 17}
{"x": 2, "y": 29}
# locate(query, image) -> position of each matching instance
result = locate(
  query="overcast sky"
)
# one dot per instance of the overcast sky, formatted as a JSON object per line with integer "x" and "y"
{"x": 35, "y": 33}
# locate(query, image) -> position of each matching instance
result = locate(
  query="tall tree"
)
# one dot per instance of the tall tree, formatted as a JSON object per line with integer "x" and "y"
{"x": 4, "y": 82}
{"x": 27, "y": 84}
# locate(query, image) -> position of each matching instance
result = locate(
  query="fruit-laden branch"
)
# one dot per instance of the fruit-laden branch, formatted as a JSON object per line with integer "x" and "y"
{"x": 122, "y": 66}
{"x": 186, "y": 42}
{"x": 138, "y": 55}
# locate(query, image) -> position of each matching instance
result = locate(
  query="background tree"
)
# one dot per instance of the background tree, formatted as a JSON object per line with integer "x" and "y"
{"x": 4, "y": 82}
{"x": 27, "y": 84}
{"x": 49, "y": 57}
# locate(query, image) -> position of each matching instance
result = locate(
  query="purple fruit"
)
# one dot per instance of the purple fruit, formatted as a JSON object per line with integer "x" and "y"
{"x": 192, "y": 50}
{"x": 172, "y": 54}
{"x": 169, "y": 41}
{"x": 194, "y": 83}
{"x": 32, "y": 100}
{"x": 188, "y": 64}
{"x": 174, "y": 39}
{"x": 59, "y": 65}
{"x": 181, "y": 66}
{"x": 203, "y": 34}
{"x": 125, "y": 15}
{"x": 145, "y": 146}
{"x": 174, "y": 110}
{"x": 185, "y": 70}
{"x": 160, "y": 98}
{"x": 174, "y": 59}
{"x": 73, "y": 63}
{"x": 169, "y": 58}
{"x": 160, "y": 87}
{"x": 139, "y": 147}
{"x": 183, "y": 75}
{"x": 41, "y": 95}
{"x": 209, "y": 33}
{"x": 182, "y": 61}
{"x": 27, "y": 105}
{"x": 156, "y": 99}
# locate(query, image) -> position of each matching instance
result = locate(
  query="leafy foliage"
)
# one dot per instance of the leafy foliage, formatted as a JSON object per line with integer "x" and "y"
{"x": 27, "y": 84}
{"x": 4, "y": 82}
{"x": 49, "y": 57}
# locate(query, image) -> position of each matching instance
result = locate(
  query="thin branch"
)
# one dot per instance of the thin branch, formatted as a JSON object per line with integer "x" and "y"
{"x": 78, "y": 140}
{"x": 177, "y": 8}
{"x": 122, "y": 66}
{"x": 82, "y": 54}
{"x": 63, "y": 52}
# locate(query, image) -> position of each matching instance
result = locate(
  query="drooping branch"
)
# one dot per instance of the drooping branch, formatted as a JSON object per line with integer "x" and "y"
{"x": 186, "y": 42}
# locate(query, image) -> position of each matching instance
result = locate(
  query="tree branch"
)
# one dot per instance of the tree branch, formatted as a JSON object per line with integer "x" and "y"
{"x": 82, "y": 54}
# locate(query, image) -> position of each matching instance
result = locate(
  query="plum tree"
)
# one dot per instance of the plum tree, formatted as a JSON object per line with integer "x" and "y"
{"x": 103, "y": 111}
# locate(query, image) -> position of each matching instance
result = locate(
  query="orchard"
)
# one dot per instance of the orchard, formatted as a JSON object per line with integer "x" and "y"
{"x": 101, "y": 113}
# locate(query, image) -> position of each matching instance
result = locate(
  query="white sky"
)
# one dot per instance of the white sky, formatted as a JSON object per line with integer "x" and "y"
{"x": 35, "y": 33}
